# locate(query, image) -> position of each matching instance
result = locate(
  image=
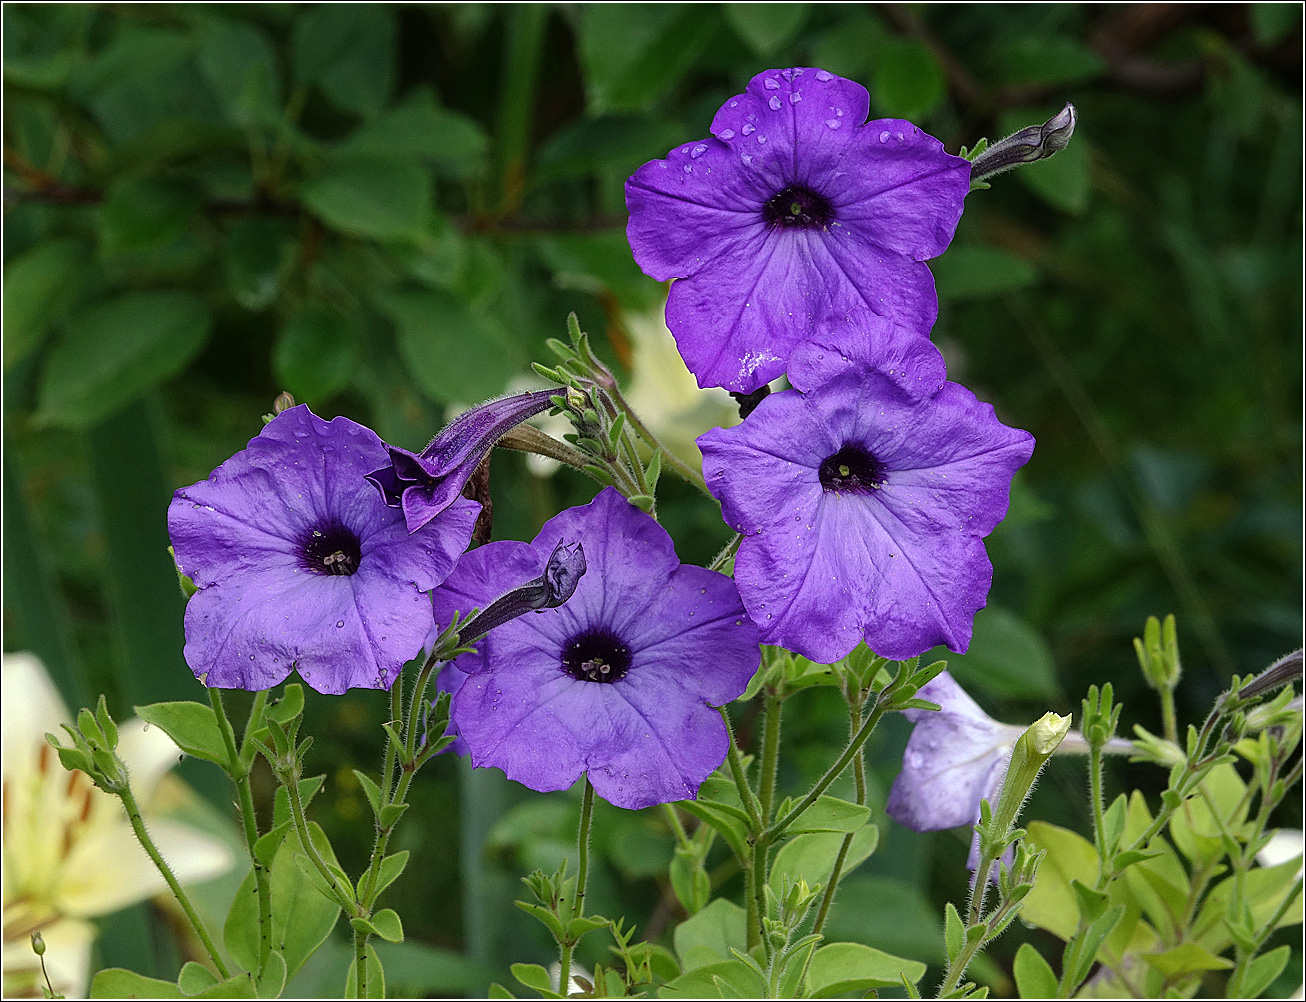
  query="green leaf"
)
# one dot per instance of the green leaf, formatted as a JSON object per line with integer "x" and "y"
{"x": 347, "y": 50}
{"x": 195, "y": 977}
{"x": 907, "y": 81}
{"x": 708, "y": 936}
{"x": 118, "y": 983}
{"x": 140, "y": 214}
{"x": 370, "y": 789}
{"x": 377, "y": 199}
{"x": 289, "y": 706}
{"x": 841, "y": 968}
{"x": 390, "y": 815}
{"x": 690, "y": 881}
{"x": 812, "y": 856}
{"x": 375, "y": 976}
{"x": 257, "y": 255}
{"x": 1185, "y": 959}
{"x": 534, "y": 977}
{"x": 1094, "y": 936}
{"x": 39, "y": 286}
{"x": 954, "y": 932}
{"x": 549, "y": 918}
{"x": 1034, "y": 976}
{"x": 1092, "y": 903}
{"x": 1270, "y": 23}
{"x": 766, "y": 27}
{"x": 1265, "y": 969}
{"x": 830, "y": 814}
{"x": 632, "y": 54}
{"x": 978, "y": 271}
{"x": 388, "y": 926}
{"x": 192, "y": 725}
{"x": 273, "y": 980}
{"x": 727, "y": 979}
{"x": 420, "y": 129}
{"x": 240, "y": 64}
{"x": 452, "y": 352}
{"x": 1006, "y": 657}
{"x": 314, "y": 353}
{"x": 112, "y": 352}
{"x": 391, "y": 867}
{"x": 1051, "y": 904}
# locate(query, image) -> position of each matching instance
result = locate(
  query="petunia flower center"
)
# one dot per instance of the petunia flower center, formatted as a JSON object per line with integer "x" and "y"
{"x": 331, "y": 549}
{"x": 798, "y": 207}
{"x": 597, "y": 655}
{"x": 851, "y": 470}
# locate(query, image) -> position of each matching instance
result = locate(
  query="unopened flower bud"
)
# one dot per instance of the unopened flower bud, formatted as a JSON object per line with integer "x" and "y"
{"x": 283, "y": 402}
{"x": 565, "y": 568}
{"x": 1158, "y": 654}
{"x": 1027, "y": 760}
{"x": 1037, "y": 142}
{"x": 38, "y": 943}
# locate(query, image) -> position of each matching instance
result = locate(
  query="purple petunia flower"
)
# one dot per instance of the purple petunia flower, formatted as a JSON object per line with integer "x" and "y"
{"x": 956, "y": 757}
{"x": 798, "y": 211}
{"x": 864, "y": 500}
{"x": 620, "y": 681}
{"x": 425, "y": 484}
{"x": 300, "y": 565}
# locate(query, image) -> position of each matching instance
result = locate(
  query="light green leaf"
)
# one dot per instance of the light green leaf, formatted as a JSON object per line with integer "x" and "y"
{"x": 709, "y": 935}
{"x": 1051, "y": 904}
{"x": 1264, "y": 970}
{"x": 830, "y": 814}
{"x": 115, "y": 350}
{"x": 978, "y": 271}
{"x": 1185, "y": 959}
{"x": 1034, "y": 976}
{"x": 273, "y": 981}
{"x": 727, "y": 979}
{"x": 534, "y": 977}
{"x": 812, "y": 856}
{"x": 192, "y": 725}
{"x": 374, "y": 198}
{"x": 388, "y": 926}
{"x": 195, "y": 977}
{"x": 842, "y": 968}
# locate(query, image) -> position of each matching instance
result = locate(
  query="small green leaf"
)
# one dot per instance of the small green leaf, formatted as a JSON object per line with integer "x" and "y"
{"x": 907, "y": 81}
{"x": 370, "y": 789}
{"x": 725, "y": 979}
{"x": 954, "y": 933}
{"x": 391, "y": 867}
{"x": 289, "y": 706}
{"x": 195, "y": 977}
{"x": 308, "y": 789}
{"x": 1034, "y": 976}
{"x": 830, "y": 814}
{"x": 389, "y": 815}
{"x": 420, "y": 128}
{"x": 273, "y": 980}
{"x": 192, "y": 725}
{"x": 387, "y": 925}
{"x": 547, "y": 917}
{"x": 766, "y": 27}
{"x": 708, "y": 936}
{"x": 534, "y": 977}
{"x": 348, "y": 51}
{"x": 1264, "y": 970}
{"x": 979, "y": 271}
{"x": 1092, "y": 903}
{"x": 1186, "y": 959}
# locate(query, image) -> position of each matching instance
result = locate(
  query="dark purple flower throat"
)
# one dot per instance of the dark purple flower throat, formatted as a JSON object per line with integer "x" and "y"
{"x": 332, "y": 549}
{"x": 851, "y": 470}
{"x": 798, "y": 207}
{"x": 596, "y": 655}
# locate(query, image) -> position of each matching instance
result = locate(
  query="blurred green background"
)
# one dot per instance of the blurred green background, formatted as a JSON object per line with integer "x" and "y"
{"x": 387, "y": 209}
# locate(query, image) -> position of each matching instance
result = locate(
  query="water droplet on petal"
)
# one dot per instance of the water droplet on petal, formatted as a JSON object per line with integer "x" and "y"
{"x": 747, "y": 160}
{"x": 761, "y": 138}
{"x": 771, "y": 83}
{"x": 833, "y": 123}
{"x": 884, "y": 137}
{"x": 795, "y": 97}
{"x": 734, "y": 104}
{"x": 339, "y": 623}
{"x": 825, "y": 76}
{"x": 748, "y": 129}
{"x": 689, "y": 168}
{"x": 774, "y": 103}
{"x": 698, "y": 151}
{"x": 728, "y": 134}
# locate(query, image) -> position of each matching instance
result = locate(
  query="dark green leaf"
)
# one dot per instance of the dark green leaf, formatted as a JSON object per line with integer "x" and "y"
{"x": 420, "y": 129}
{"x": 1041, "y": 58}
{"x": 766, "y": 27}
{"x": 907, "y": 81}
{"x": 39, "y": 286}
{"x": 314, "y": 353}
{"x": 978, "y": 271}
{"x": 378, "y": 199}
{"x": 634, "y": 53}
{"x": 141, "y": 215}
{"x": 348, "y": 51}
{"x": 238, "y": 61}
{"x": 1006, "y": 657}
{"x": 117, "y": 349}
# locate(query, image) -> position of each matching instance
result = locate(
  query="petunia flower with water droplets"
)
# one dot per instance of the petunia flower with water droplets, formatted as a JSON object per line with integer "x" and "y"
{"x": 863, "y": 497}
{"x": 620, "y": 682}
{"x": 301, "y": 565}
{"x": 794, "y": 212}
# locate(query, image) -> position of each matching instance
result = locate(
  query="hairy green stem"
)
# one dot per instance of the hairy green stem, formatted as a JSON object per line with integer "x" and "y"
{"x": 143, "y": 836}
{"x": 1169, "y": 723}
{"x": 567, "y": 944}
{"x": 726, "y": 553}
{"x": 669, "y": 458}
{"x": 346, "y": 901}
{"x": 859, "y": 777}
{"x": 682, "y": 837}
{"x": 239, "y": 773}
{"x": 360, "y": 963}
{"x": 770, "y": 754}
{"x": 746, "y": 794}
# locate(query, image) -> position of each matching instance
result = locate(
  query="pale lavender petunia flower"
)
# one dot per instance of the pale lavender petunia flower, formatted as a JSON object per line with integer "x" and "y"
{"x": 796, "y": 212}
{"x": 426, "y": 483}
{"x": 621, "y": 681}
{"x": 956, "y": 757}
{"x": 864, "y": 504}
{"x": 300, "y": 564}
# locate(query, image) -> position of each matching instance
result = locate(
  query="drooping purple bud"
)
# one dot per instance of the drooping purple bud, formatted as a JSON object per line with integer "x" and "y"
{"x": 1037, "y": 142}
{"x": 565, "y": 568}
{"x": 425, "y": 484}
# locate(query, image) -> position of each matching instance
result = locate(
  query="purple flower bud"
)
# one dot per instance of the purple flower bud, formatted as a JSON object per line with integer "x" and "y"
{"x": 425, "y": 484}
{"x": 562, "y": 573}
{"x": 1037, "y": 142}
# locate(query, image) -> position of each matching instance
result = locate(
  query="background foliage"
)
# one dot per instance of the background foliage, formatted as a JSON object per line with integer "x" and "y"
{"x": 387, "y": 209}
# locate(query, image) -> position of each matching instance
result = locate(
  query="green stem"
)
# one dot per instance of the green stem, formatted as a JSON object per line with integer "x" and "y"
{"x": 1234, "y": 989}
{"x": 391, "y": 752}
{"x": 360, "y": 963}
{"x": 726, "y": 553}
{"x": 1168, "y": 722}
{"x": 682, "y": 837}
{"x": 143, "y": 836}
{"x": 567, "y": 944}
{"x": 347, "y": 901}
{"x": 750, "y": 898}
{"x": 1095, "y": 802}
{"x": 524, "y": 47}
{"x": 859, "y": 777}
{"x": 239, "y": 773}
{"x": 759, "y": 894}
{"x": 247, "y": 750}
{"x": 746, "y": 794}
{"x": 836, "y": 770}
{"x": 770, "y": 754}
{"x": 669, "y": 458}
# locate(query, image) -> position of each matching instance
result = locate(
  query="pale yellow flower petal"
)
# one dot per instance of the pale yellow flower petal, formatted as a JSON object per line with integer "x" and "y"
{"x": 67, "y": 961}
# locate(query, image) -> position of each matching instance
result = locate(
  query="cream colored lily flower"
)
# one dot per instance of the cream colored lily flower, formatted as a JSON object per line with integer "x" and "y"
{"x": 69, "y": 850}
{"x": 664, "y": 393}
